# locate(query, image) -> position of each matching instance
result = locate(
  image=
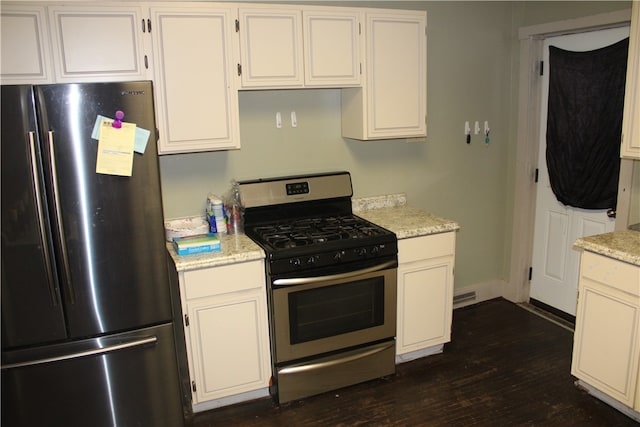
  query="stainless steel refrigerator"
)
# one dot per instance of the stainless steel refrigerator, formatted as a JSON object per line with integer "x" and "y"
{"x": 87, "y": 332}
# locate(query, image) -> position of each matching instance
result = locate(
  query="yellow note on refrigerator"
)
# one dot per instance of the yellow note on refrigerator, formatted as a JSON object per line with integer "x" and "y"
{"x": 115, "y": 149}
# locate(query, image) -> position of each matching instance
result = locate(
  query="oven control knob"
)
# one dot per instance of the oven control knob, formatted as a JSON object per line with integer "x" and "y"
{"x": 338, "y": 256}
{"x": 311, "y": 260}
{"x": 362, "y": 252}
{"x": 295, "y": 262}
{"x": 375, "y": 250}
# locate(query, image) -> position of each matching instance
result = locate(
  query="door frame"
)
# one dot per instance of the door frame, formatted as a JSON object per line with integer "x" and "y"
{"x": 527, "y": 144}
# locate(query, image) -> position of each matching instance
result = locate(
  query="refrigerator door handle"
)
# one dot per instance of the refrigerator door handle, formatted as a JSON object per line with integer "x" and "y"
{"x": 60, "y": 227}
{"x": 41, "y": 219}
{"x": 136, "y": 342}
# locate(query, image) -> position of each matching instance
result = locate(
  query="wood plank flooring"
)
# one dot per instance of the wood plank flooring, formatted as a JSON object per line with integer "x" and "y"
{"x": 505, "y": 366}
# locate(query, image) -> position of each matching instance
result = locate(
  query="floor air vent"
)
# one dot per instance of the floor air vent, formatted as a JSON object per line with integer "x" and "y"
{"x": 466, "y": 297}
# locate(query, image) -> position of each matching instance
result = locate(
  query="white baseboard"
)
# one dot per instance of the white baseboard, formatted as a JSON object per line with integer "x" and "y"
{"x": 230, "y": 400}
{"x": 413, "y": 355}
{"x": 478, "y": 292}
{"x": 609, "y": 400}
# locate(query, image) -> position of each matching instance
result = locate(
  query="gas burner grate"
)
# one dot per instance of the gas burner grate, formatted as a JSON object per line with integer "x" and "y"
{"x": 316, "y": 231}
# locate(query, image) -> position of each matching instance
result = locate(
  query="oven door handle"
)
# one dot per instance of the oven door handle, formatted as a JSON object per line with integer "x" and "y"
{"x": 305, "y": 280}
{"x": 353, "y": 357}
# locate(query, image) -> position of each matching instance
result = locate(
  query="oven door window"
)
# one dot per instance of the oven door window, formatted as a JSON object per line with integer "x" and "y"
{"x": 333, "y": 310}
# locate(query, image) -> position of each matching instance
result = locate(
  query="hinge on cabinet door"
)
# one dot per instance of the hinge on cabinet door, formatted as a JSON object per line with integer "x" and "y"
{"x": 359, "y": 27}
{"x": 542, "y": 68}
{"x": 535, "y": 178}
{"x": 237, "y": 26}
{"x": 193, "y": 386}
{"x": 186, "y": 320}
{"x": 239, "y": 69}
{"x": 530, "y": 273}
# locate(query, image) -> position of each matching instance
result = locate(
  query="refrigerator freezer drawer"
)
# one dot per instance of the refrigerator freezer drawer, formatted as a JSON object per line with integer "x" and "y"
{"x": 124, "y": 379}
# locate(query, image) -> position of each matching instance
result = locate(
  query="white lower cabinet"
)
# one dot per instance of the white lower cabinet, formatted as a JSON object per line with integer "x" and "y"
{"x": 425, "y": 293}
{"x": 226, "y": 330}
{"x": 606, "y": 348}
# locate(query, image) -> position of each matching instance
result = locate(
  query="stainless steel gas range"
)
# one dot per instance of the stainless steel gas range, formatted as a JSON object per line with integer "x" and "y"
{"x": 331, "y": 279}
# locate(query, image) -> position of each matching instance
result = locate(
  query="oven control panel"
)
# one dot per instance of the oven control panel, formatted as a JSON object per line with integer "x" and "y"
{"x": 295, "y": 188}
{"x": 332, "y": 258}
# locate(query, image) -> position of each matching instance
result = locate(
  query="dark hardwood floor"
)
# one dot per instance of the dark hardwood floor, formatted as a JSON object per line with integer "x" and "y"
{"x": 505, "y": 366}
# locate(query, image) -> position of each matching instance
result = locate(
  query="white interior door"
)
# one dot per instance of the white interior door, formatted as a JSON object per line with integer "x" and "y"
{"x": 554, "y": 279}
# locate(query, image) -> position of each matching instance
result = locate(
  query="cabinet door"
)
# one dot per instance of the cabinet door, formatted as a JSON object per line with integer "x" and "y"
{"x": 98, "y": 43}
{"x": 196, "y": 101}
{"x": 24, "y": 47}
{"x": 631, "y": 120}
{"x": 606, "y": 347}
{"x": 424, "y": 305}
{"x": 271, "y": 47}
{"x": 393, "y": 102}
{"x": 229, "y": 345}
{"x": 425, "y": 292}
{"x": 331, "y": 48}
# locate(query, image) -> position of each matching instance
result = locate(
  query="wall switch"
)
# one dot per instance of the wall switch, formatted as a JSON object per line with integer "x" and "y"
{"x": 294, "y": 120}
{"x": 476, "y": 128}
{"x": 278, "y": 120}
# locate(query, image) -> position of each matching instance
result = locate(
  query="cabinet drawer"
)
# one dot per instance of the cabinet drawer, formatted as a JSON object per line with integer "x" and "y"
{"x": 225, "y": 279}
{"x": 419, "y": 248}
{"x": 617, "y": 274}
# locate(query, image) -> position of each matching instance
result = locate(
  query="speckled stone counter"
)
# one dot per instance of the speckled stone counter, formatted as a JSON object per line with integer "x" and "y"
{"x": 389, "y": 211}
{"x": 235, "y": 248}
{"x": 392, "y": 213}
{"x": 621, "y": 245}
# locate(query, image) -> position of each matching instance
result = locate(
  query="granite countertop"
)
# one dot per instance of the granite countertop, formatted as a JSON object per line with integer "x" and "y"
{"x": 622, "y": 245}
{"x": 392, "y": 213}
{"x": 235, "y": 248}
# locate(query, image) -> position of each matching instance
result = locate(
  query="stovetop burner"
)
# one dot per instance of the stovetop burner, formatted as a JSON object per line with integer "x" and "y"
{"x": 306, "y": 222}
{"x": 316, "y": 231}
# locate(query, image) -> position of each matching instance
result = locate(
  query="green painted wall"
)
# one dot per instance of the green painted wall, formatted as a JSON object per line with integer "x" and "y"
{"x": 472, "y": 66}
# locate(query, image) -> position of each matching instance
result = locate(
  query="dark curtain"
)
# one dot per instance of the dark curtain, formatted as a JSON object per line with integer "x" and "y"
{"x": 584, "y": 124}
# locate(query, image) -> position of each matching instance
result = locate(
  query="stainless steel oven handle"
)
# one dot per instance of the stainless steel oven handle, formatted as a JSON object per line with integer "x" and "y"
{"x": 327, "y": 364}
{"x": 304, "y": 280}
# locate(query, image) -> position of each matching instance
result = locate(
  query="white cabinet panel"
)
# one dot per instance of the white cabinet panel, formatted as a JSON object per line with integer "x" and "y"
{"x": 393, "y": 102}
{"x": 98, "y": 43}
{"x": 606, "y": 349}
{"x": 271, "y": 47}
{"x": 226, "y": 330}
{"x": 24, "y": 45}
{"x": 331, "y": 47}
{"x": 631, "y": 120}
{"x": 227, "y": 345}
{"x": 425, "y": 292}
{"x": 196, "y": 101}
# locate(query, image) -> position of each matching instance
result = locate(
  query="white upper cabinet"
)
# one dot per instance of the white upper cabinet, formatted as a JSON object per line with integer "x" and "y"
{"x": 631, "y": 120}
{"x": 24, "y": 47}
{"x": 270, "y": 47}
{"x": 98, "y": 43}
{"x": 393, "y": 102}
{"x": 294, "y": 47}
{"x": 331, "y": 47}
{"x": 196, "y": 99}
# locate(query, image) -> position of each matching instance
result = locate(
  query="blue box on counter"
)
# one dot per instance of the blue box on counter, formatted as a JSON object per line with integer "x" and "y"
{"x": 197, "y": 244}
